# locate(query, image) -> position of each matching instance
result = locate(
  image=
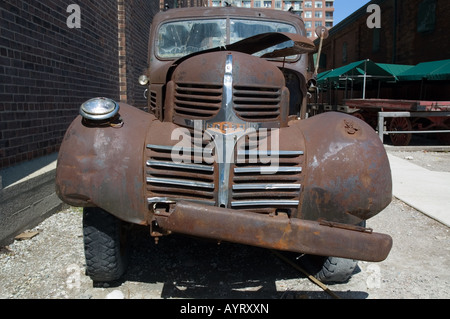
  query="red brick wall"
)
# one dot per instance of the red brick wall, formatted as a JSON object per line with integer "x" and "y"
{"x": 47, "y": 69}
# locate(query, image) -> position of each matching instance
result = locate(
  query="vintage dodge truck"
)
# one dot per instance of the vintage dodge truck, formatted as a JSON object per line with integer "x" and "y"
{"x": 225, "y": 151}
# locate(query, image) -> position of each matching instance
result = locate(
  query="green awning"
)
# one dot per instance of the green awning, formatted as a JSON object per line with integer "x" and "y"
{"x": 395, "y": 69}
{"x": 432, "y": 71}
{"x": 357, "y": 71}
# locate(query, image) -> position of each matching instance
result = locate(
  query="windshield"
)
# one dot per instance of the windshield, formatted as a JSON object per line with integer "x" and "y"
{"x": 180, "y": 38}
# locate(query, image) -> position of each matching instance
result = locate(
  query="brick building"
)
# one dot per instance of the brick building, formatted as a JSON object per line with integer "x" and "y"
{"x": 48, "y": 66}
{"x": 181, "y": 3}
{"x": 314, "y": 12}
{"x": 412, "y": 31}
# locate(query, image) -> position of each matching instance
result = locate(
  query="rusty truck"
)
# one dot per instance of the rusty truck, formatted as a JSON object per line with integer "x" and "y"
{"x": 224, "y": 150}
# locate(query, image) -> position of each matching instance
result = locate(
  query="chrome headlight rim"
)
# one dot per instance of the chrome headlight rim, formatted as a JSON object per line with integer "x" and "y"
{"x": 99, "y": 109}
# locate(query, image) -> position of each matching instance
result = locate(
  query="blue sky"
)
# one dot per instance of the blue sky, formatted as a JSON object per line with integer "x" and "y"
{"x": 344, "y": 8}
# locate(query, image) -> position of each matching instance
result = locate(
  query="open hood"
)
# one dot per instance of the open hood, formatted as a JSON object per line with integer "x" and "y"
{"x": 257, "y": 43}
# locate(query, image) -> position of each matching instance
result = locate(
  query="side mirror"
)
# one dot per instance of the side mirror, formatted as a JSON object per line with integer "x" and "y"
{"x": 322, "y": 33}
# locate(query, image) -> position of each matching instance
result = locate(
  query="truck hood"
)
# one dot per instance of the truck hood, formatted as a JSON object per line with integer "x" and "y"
{"x": 254, "y": 44}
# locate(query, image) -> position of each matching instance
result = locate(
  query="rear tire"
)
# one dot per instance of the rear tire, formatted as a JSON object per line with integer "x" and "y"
{"x": 105, "y": 245}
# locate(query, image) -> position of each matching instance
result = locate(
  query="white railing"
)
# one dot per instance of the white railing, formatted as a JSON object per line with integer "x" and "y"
{"x": 383, "y": 115}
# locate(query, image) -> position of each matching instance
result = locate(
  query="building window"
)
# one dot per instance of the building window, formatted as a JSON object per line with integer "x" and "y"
{"x": 344, "y": 53}
{"x": 318, "y": 4}
{"x": 323, "y": 61}
{"x": 277, "y": 4}
{"x": 376, "y": 34}
{"x": 257, "y": 4}
{"x": 318, "y": 14}
{"x": 308, "y": 14}
{"x": 308, "y": 4}
{"x": 308, "y": 24}
{"x": 426, "y": 19}
{"x": 318, "y": 24}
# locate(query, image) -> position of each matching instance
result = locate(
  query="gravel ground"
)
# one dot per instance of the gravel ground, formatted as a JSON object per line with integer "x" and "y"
{"x": 51, "y": 264}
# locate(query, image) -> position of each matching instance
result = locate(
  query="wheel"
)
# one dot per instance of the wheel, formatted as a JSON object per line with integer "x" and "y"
{"x": 332, "y": 270}
{"x": 336, "y": 270}
{"x": 400, "y": 124}
{"x": 105, "y": 245}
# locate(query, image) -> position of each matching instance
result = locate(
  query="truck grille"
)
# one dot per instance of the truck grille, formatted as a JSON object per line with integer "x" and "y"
{"x": 170, "y": 181}
{"x": 260, "y": 187}
{"x": 197, "y": 100}
{"x": 255, "y": 104}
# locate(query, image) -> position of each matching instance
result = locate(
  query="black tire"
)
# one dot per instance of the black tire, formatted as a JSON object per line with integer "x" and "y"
{"x": 336, "y": 270}
{"x": 105, "y": 245}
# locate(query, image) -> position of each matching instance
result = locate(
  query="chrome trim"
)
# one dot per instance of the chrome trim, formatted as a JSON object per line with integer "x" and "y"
{"x": 171, "y": 148}
{"x": 99, "y": 109}
{"x": 269, "y": 203}
{"x": 197, "y": 167}
{"x": 179, "y": 182}
{"x": 170, "y": 200}
{"x": 270, "y": 153}
{"x": 267, "y": 169}
{"x": 266, "y": 186}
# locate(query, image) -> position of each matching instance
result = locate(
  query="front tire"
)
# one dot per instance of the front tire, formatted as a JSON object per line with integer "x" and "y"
{"x": 336, "y": 270}
{"x": 105, "y": 245}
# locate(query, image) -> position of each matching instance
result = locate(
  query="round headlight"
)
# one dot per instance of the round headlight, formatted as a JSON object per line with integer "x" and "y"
{"x": 143, "y": 80}
{"x": 99, "y": 108}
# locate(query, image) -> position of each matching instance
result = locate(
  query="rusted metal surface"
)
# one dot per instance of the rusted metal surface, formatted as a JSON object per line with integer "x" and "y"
{"x": 347, "y": 176}
{"x": 102, "y": 166}
{"x": 275, "y": 232}
{"x": 399, "y": 105}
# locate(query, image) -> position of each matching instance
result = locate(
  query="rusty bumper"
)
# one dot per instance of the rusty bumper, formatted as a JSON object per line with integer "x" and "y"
{"x": 276, "y": 232}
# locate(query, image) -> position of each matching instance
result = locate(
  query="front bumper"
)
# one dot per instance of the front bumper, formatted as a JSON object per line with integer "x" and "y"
{"x": 275, "y": 232}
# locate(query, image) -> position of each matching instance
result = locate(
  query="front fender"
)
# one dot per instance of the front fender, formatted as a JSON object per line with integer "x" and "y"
{"x": 102, "y": 166}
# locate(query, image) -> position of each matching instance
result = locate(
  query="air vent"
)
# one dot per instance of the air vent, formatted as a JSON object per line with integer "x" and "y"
{"x": 263, "y": 186}
{"x": 197, "y": 101}
{"x": 257, "y": 104}
{"x": 169, "y": 180}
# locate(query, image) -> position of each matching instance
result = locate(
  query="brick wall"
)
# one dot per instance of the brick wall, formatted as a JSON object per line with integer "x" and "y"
{"x": 138, "y": 22}
{"x": 48, "y": 69}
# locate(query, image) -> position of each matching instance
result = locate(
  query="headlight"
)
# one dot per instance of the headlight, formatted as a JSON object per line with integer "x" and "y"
{"x": 143, "y": 80}
{"x": 99, "y": 108}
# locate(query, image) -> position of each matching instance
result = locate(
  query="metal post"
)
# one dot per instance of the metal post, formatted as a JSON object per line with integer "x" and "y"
{"x": 381, "y": 126}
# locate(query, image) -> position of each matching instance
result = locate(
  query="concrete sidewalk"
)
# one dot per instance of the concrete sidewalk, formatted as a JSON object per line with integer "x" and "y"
{"x": 425, "y": 190}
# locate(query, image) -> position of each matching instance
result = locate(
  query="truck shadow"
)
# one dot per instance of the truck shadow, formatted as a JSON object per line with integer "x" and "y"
{"x": 197, "y": 268}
